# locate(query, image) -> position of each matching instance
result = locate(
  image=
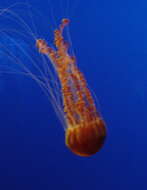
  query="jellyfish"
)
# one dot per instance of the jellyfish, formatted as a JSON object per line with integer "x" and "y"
{"x": 85, "y": 130}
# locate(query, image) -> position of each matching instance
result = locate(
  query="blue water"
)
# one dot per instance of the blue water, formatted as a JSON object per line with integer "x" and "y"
{"x": 110, "y": 42}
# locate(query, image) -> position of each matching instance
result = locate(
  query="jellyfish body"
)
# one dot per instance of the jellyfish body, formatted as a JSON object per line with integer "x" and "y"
{"x": 85, "y": 129}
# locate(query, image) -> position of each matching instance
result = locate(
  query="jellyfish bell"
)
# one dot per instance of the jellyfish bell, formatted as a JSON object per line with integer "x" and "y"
{"x": 86, "y": 140}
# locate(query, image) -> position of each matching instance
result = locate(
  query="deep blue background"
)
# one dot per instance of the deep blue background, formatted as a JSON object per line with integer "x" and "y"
{"x": 110, "y": 41}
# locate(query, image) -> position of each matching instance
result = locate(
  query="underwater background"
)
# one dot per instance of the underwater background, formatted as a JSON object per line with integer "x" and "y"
{"x": 109, "y": 39}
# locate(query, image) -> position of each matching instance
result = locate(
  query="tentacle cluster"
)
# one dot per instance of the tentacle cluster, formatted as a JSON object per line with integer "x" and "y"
{"x": 86, "y": 132}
